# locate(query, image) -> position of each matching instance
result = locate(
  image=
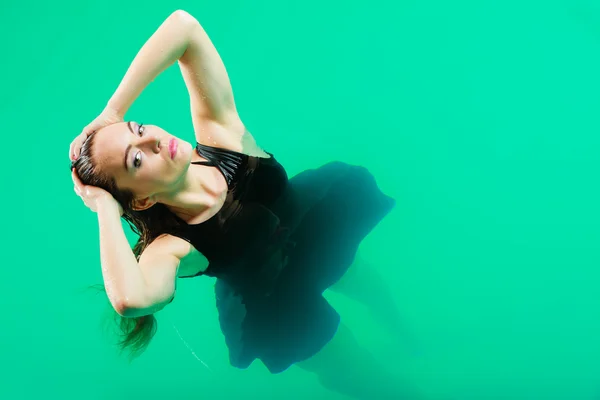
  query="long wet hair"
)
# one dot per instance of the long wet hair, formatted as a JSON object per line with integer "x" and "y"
{"x": 137, "y": 332}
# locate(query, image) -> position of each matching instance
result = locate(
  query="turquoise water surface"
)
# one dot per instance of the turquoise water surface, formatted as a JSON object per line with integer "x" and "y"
{"x": 479, "y": 117}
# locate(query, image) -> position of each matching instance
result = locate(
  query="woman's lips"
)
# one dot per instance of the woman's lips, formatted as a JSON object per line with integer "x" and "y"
{"x": 173, "y": 148}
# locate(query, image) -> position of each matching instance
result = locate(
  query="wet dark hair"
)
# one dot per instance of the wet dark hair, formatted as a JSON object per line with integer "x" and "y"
{"x": 135, "y": 333}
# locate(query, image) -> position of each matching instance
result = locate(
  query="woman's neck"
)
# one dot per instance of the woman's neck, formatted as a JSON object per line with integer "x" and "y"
{"x": 201, "y": 194}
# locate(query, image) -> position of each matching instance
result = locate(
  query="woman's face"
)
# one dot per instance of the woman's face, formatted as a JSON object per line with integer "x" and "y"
{"x": 144, "y": 159}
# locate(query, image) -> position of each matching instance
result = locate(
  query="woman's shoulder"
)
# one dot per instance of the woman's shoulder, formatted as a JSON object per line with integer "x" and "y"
{"x": 234, "y": 136}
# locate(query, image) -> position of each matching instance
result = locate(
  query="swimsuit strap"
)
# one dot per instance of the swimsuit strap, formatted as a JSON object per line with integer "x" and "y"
{"x": 227, "y": 161}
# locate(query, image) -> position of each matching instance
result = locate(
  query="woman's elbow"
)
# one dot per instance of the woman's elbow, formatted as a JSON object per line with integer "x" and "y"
{"x": 137, "y": 307}
{"x": 183, "y": 17}
{"x": 125, "y": 306}
{"x": 121, "y": 307}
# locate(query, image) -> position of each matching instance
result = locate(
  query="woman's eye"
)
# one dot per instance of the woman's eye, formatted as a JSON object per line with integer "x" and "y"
{"x": 141, "y": 129}
{"x": 137, "y": 161}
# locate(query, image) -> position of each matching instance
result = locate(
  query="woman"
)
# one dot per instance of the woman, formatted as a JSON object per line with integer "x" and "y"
{"x": 225, "y": 208}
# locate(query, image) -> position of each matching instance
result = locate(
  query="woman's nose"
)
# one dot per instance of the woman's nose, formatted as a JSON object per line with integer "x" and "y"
{"x": 151, "y": 141}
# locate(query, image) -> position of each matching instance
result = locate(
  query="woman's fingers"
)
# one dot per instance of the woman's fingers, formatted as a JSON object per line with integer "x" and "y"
{"x": 83, "y": 195}
{"x": 76, "y": 146}
{"x": 79, "y": 187}
{"x": 76, "y": 179}
{"x": 71, "y": 152}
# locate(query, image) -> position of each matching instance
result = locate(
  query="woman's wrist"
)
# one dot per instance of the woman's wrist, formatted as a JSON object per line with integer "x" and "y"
{"x": 107, "y": 204}
{"x": 114, "y": 109}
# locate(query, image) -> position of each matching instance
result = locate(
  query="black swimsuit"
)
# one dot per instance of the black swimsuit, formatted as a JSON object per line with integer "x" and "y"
{"x": 228, "y": 162}
{"x": 276, "y": 245}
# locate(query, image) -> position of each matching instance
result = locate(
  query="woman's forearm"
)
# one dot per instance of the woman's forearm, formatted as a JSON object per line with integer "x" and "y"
{"x": 166, "y": 45}
{"x": 123, "y": 278}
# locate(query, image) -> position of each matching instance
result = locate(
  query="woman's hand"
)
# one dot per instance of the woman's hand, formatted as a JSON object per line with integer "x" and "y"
{"x": 92, "y": 196}
{"x": 108, "y": 116}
